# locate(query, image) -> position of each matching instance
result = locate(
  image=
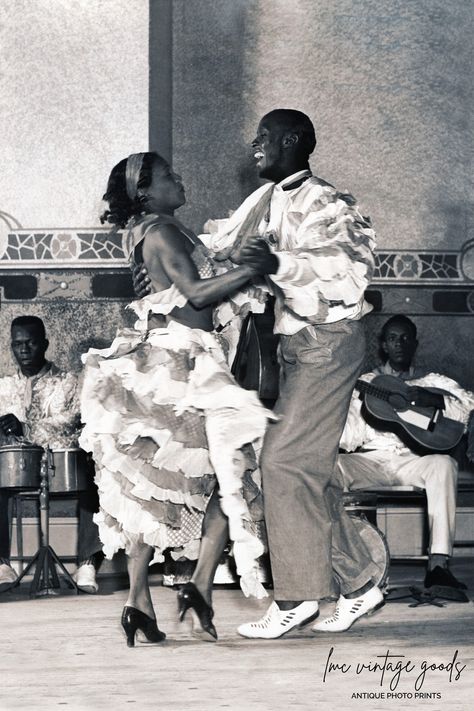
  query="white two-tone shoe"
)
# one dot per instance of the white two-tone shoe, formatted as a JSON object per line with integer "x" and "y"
{"x": 276, "y": 622}
{"x": 85, "y": 578}
{"x": 7, "y": 575}
{"x": 348, "y": 611}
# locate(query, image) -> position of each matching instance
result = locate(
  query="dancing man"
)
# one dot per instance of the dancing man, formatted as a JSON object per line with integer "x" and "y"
{"x": 318, "y": 250}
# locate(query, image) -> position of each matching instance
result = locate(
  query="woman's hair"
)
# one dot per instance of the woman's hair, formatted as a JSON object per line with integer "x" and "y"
{"x": 121, "y": 207}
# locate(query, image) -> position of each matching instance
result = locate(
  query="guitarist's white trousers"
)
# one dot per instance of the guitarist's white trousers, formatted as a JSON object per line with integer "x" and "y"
{"x": 311, "y": 538}
{"x": 436, "y": 473}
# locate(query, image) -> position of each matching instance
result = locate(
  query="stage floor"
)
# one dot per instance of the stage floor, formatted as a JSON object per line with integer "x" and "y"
{"x": 69, "y": 651}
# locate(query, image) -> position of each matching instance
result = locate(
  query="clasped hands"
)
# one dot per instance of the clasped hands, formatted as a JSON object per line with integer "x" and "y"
{"x": 254, "y": 252}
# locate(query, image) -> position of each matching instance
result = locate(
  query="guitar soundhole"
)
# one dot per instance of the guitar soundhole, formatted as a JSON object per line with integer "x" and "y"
{"x": 397, "y": 401}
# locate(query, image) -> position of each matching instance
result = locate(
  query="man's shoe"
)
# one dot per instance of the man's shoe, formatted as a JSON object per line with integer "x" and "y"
{"x": 7, "y": 576}
{"x": 84, "y": 577}
{"x": 168, "y": 581}
{"x": 276, "y": 622}
{"x": 348, "y": 611}
{"x": 442, "y": 577}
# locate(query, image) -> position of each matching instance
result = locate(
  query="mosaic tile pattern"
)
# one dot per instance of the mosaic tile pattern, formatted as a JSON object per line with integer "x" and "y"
{"x": 413, "y": 266}
{"x": 63, "y": 249}
{"x": 98, "y": 248}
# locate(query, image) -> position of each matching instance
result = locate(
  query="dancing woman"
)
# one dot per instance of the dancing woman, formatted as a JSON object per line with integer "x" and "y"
{"x": 171, "y": 432}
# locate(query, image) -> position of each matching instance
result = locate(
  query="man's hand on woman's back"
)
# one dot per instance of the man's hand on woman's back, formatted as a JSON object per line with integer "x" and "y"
{"x": 141, "y": 280}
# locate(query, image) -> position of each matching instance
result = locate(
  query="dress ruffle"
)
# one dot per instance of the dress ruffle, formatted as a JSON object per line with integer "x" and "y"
{"x": 164, "y": 420}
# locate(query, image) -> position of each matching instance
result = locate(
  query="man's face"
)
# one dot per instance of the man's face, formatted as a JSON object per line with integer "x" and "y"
{"x": 400, "y": 345}
{"x": 29, "y": 347}
{"x": 268, "y": 150}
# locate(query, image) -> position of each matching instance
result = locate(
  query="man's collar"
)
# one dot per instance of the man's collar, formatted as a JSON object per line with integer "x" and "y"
{"x": 404, "y": 374}
{"x": 48, "y": 367}
{"x": 291, "y": 182}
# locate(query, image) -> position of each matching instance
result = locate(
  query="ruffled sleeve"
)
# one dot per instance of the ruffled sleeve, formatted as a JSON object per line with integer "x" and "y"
{"x": 332, "y": 260}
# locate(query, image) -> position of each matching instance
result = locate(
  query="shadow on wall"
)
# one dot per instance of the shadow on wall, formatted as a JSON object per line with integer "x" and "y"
{"x": 212, "y": 75}
{"x": 456, "y": 218}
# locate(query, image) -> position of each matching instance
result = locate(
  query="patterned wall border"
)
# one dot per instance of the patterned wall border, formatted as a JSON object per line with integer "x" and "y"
{"x": 62, "y": 249}
{"x": 98, "y": 248}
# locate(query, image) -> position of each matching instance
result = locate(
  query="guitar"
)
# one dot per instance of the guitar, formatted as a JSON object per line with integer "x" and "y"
{"x": 418, "y": 411}
{"x": 255, "y": 366}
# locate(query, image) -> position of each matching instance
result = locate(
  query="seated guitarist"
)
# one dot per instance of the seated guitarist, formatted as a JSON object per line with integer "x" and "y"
{"x": 383, "y": 459}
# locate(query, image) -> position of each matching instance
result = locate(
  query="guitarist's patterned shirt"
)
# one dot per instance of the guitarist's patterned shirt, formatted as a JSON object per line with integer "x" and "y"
{"x": 358, "y": 434}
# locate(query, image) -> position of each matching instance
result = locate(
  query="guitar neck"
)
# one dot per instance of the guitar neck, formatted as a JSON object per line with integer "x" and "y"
{"x": 380, "y": 393}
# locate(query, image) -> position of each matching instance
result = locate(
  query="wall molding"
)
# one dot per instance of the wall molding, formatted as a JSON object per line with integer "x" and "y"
{"x": 90, "y": 264}
{"x": 99, "y": 248}
{"x": 62, "y": 248}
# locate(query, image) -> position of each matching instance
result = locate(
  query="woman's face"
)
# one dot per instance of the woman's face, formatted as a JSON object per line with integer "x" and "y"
{"x": 166, "y": 192}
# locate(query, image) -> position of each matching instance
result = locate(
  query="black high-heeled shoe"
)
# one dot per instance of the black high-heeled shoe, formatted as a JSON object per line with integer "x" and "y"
{"x": 133, "y": 620}
{"x": 189, "y": 598}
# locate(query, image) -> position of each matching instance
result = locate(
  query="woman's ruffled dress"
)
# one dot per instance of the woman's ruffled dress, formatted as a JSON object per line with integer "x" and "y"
{"x": 165, "y": 422}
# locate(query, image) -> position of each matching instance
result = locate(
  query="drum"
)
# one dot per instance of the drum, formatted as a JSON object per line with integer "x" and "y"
{"x": 377, "y": 545}
{"x": 20, "y": 466}
{"x": 70, "y": 471}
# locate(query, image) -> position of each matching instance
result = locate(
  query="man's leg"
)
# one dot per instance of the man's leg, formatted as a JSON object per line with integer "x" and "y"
{"x": 360, "y": 470}
{"x": 437, "y": 474}
{"x": 7, "y": 574}
{"x": 89, "y": 546}
{"x": 356, "y": 471}
{"x": 298, "y": 461}
{"x": 320, "y": 367}
{"x": 4, "y": 525}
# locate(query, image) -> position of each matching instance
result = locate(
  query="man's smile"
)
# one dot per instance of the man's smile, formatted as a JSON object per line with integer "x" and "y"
{"x": 259, "y": 155}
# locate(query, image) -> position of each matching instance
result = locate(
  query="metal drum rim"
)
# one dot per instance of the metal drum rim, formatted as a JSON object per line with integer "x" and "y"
{"x": 19, "y": 447}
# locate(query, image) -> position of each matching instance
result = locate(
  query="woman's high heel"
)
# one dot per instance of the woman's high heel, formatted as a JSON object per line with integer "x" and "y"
{"x": 189, "y": 598}
{"x": 133, "y": 620}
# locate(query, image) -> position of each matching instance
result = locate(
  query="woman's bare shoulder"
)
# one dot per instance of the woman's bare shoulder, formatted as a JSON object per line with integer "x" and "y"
{"x": 165, "y": 236}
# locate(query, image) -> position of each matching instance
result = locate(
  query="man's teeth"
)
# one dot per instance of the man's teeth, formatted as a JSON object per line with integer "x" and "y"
{"x": 258, "y": 155}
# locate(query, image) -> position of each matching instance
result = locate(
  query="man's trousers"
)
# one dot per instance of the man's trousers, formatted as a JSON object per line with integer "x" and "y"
{"x": 311, "y": 537}
{"x": 436, "y": 473}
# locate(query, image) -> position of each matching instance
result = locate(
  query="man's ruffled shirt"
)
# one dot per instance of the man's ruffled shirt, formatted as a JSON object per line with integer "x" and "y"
{"x": 325, "y": 249}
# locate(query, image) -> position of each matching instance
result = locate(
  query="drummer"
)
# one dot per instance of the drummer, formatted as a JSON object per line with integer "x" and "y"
{"x": 39, "y": 404}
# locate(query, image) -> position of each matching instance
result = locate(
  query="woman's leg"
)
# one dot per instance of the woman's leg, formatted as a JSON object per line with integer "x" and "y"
{"x": 139, "y": 594}
{"x": 215, "y": 535}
